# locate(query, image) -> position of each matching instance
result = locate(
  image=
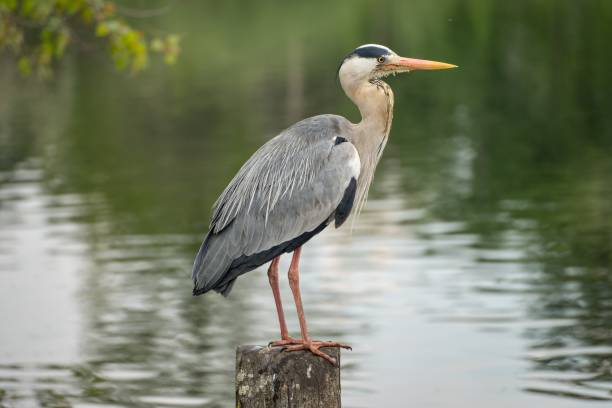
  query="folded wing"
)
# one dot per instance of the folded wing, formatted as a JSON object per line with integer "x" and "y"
{"x": 287, "y": 192}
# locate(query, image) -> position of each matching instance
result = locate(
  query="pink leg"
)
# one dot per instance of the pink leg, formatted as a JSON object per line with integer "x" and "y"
{"x": 294, "y": 284}
{"x": 273, "y": 279}
{"x": 307, "y": 343}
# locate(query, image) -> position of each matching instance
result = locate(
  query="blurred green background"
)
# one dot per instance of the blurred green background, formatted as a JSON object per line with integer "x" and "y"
{"x": 496, "y": 180}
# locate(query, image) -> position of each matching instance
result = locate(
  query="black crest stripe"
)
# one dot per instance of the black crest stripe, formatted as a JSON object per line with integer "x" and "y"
{"x": 371, "y": 52}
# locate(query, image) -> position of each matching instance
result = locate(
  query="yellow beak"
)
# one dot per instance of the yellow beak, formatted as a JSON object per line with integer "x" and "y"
{"x": 412, "y": 64}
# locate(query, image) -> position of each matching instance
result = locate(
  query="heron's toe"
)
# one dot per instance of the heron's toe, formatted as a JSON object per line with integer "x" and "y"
{"x": 314, "y": 346}
{"x": 288, "y": 341}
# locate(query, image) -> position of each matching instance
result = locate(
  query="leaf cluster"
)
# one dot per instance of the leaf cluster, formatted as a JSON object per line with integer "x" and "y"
{"x": 37, "y": 34}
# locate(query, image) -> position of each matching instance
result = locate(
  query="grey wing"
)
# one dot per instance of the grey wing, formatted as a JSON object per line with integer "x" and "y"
{"x": 287, "y": 192}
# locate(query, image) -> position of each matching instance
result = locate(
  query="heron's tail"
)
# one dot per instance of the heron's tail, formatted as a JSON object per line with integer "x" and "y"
{"x": 210, "y": 266}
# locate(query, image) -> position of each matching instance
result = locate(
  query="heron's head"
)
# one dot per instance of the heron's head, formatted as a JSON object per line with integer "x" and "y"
{"x": 371, "y": 61}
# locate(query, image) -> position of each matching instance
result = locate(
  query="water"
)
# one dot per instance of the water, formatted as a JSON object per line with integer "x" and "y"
{"x": 478, "y": 275}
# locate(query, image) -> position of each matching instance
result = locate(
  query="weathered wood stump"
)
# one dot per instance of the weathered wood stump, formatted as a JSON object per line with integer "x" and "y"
{"x": 267, "y": 377}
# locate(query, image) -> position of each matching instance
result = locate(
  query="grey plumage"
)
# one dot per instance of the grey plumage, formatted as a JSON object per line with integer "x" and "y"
{"x": 291, "y": 186}
{"x": 318, "y": 170}
{"x": 296, "y": 184}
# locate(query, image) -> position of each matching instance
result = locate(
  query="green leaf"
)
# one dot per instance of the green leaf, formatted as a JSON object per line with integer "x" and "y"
{"x": 27, "y": 6}
{"x": 24, "y": 66}
{"x": 157, "y": 45}
{"x": 87, "y": 15}
{"x": 60, "y": 42}
{"x": 102, "y": 29}
{"x": 9, "y": 4}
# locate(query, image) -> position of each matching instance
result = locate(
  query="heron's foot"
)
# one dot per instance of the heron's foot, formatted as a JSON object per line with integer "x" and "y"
{"x": 286, "y": 341}
{"x": 314, "y": 345}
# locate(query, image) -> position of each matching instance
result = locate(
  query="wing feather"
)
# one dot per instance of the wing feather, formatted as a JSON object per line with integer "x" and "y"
{"x": 290, "y": 186}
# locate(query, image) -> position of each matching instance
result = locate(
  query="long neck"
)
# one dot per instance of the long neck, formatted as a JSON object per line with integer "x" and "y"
{"x": 374, "y": 99}
{"x": 375, "y": 102}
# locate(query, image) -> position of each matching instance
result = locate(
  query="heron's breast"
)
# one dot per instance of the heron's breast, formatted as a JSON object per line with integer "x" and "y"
{"x": 354, "y": 163}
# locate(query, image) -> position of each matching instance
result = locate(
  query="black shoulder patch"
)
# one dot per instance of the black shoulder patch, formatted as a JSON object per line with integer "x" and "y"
{"x": 346, "y": 204}
{"x": 340, "y": 139}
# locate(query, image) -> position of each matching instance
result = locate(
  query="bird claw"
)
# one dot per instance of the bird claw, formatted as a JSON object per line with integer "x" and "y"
{"x": 314, "y": 345}
{"x": 288, "y": 341}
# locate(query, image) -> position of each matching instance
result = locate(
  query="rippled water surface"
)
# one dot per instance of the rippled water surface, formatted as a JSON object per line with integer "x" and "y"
{"x": 478, "y": 275}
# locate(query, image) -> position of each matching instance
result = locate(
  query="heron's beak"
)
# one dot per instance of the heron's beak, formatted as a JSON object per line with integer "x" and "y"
{"x": 401, "y": 64}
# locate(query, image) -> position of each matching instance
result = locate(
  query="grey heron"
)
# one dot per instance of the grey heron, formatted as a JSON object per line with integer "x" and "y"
{"x": 312, "y": 174}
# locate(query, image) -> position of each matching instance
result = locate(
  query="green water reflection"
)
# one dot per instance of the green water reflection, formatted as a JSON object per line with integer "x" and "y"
{"x": 514, "y": 148}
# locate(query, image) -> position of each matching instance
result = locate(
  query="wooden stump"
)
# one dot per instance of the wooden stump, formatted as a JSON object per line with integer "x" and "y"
{"x": 267, "y": 377}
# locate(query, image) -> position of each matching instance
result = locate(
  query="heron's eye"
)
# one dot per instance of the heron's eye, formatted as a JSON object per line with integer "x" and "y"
{"x": 381, "y": 60}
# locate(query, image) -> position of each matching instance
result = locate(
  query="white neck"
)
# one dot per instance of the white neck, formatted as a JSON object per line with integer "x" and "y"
{"x": 375, "y": 102}
{"x": 374, "y": 99}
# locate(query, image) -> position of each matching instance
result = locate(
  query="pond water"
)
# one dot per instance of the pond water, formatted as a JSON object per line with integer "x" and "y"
{"x": 478, "y": 275}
